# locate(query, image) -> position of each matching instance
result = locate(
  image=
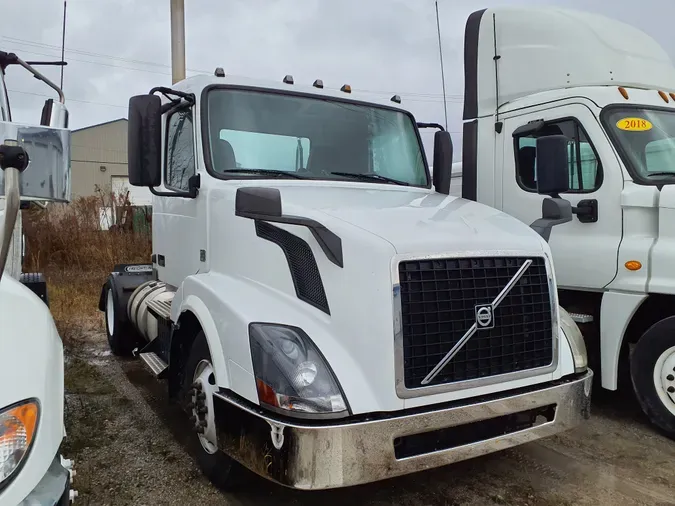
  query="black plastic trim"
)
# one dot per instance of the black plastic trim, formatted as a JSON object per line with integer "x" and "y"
{"x": 263, "y": 203}
{"x": 634, "y": 174}
{"x": 600, "y": 176}
{"x": 37, "y": 283}
{"x": 471, "y": 39}
{"x": 470, "y": 160}
{"x": 304, "y": 271}
{"x": 206, "y": 138}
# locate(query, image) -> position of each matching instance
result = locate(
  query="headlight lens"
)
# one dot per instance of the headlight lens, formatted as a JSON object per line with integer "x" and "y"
{"x": 290, "y": 372}
{"x": 17, "y": 431}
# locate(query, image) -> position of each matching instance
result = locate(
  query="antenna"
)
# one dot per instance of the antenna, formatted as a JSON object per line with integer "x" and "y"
{"x": 440, "y": 51}
{"x": 63, "y": 41}
{"x": 496, "y": 58}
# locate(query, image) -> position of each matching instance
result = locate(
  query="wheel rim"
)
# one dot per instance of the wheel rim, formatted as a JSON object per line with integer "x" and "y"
{"x": 110, "y": 312}
{"x": 664, "y": 378}
{"x": 202, "y": 406}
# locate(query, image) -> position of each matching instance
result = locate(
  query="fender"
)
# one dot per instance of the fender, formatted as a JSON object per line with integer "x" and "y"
{"x": 229, "y": 304}
{"x": 198, "y": 308}
{"x": 616, "y": 312}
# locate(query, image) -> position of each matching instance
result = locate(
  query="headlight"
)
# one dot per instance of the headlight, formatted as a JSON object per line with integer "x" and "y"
{"x": 17, "y": 431}
{"x": 290, "y": 372}
{"x": 575, "y": 340}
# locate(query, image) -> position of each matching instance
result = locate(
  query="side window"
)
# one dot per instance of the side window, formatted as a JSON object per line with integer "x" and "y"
{"x": 585, "y": 170}
{"x": 180, "y": 153}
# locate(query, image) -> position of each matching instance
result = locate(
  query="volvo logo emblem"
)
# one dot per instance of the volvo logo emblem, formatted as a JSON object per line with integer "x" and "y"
{"x": 485, "y": 316}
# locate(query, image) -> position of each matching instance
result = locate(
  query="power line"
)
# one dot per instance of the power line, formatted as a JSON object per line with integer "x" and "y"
{"x": 199, "y": 71}
{"x": 70, "y": 99}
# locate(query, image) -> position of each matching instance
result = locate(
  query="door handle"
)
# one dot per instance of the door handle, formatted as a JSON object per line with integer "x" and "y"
{"x": 586, "y": 211}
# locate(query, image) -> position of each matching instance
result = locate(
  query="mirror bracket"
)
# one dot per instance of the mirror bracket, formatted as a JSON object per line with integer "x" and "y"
{"x": 191, "y": 193}
{"x": 554, "y": 211}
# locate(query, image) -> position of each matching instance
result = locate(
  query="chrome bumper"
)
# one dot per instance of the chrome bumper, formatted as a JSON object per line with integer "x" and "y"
{"x": 306, "y": 455}
{"x": 54, "y": 488}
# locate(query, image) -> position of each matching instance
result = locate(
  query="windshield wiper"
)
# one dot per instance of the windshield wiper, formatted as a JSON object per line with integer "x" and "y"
{"x": 664, "y": 173}
{"x": 265, "y": 171}
{"x": 371, "y": 177}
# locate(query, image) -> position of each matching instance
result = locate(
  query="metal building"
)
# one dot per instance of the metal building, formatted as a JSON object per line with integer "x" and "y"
{"x": 99, "y": 162}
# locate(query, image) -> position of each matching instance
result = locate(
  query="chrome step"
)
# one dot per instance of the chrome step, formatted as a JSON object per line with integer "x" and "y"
{"x": 156, "y": 365}
{"x": 581, "y": 318}
{"x": 160, "y": 308}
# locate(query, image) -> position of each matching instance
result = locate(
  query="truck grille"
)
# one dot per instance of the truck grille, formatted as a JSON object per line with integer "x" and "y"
{"x": 438, "y": 306}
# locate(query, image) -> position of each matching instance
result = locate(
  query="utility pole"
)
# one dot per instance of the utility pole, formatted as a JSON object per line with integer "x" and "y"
{"x": 177, "y": 40}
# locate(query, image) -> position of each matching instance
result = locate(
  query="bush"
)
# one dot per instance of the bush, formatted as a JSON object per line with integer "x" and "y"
{"x": 67, "y": 244}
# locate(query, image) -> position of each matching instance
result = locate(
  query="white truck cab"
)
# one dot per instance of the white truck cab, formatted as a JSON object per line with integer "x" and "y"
{"x": 609, "y": 88}
{"x": 327, "y": 314}
{"x": 34, "y": 165}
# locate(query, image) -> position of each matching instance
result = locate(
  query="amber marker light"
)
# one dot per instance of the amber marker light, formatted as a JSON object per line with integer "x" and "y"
{"x": 633, "y": 265}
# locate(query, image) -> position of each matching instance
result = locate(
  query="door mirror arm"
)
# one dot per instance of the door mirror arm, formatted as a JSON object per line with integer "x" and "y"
{"x": 191, "y": 193}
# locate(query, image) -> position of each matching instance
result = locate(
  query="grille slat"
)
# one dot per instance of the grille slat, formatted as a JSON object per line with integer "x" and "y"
{"x": 438, "y": 299}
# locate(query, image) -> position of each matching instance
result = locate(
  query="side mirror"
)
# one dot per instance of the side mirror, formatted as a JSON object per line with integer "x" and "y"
{"x": 553, "y": 212}
{"x": 552, "y": 165}
{"x": 442, "y": 167}
{"x": 54, "y": 114}
{"x": 145, "y": 140}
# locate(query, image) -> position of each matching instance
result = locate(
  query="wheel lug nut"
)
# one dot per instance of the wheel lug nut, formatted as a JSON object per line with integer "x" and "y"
{"x": 670, "y": 377}
{"x": 671, "y": 390}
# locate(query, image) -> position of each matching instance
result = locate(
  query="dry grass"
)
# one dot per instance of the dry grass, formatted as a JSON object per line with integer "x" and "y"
{"x": 66, "y": 243}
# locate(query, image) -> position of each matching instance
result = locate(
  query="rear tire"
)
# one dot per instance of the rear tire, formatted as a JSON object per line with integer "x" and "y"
{"x": 122, "y": 337}
{"x": 652, "y": 367}
{"x": 223, "y": 471}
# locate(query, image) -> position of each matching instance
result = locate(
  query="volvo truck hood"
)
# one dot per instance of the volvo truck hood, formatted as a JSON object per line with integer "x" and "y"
{"x": 415, "y": 221}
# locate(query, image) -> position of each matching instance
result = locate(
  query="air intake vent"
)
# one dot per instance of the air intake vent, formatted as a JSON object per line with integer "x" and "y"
{"x": 301, "y": 262}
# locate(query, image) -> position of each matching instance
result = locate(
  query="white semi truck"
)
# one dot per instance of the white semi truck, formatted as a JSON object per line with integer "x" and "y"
{"x": 610, "y": 88}
{"x": 34, "y": 166}
{"x": 325, "y": 313}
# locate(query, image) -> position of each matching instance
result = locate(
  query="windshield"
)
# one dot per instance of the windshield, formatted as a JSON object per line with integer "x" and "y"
{"x": 646, "y": 139}
{"x": 257, "y": 133}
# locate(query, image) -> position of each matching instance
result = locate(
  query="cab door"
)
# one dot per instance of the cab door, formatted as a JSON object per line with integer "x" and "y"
{"x": 178, "y": 235}
{"x": 585, "y": 250}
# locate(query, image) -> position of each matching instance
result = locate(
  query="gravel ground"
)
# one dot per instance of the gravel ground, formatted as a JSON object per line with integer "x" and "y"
{"x": 130, "y": 448}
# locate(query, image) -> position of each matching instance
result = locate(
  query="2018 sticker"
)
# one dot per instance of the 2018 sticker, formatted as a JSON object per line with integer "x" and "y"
{"x": 634, "y": 125}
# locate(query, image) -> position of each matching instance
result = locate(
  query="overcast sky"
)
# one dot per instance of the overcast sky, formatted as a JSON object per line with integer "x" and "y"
{"x": 118, "y": 48}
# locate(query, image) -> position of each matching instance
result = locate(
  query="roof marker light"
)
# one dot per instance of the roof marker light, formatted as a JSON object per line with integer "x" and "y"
{"x": 288, "y": 79}
{"x": 664, "y": 96}
{"x": 623, "y": 92}
{"x": 318, "y": 83}
{"x": 396, "y": 99}
{"x": 219, "y": 72}
{"x": 672, "y": 95}
{"x": 346, "y": 88}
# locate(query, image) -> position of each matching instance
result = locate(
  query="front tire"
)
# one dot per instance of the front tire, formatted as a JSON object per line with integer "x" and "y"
{"x": 122, "y": 337}
{"x": 652, "y": 367}
{"x": 199, "y": 385}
